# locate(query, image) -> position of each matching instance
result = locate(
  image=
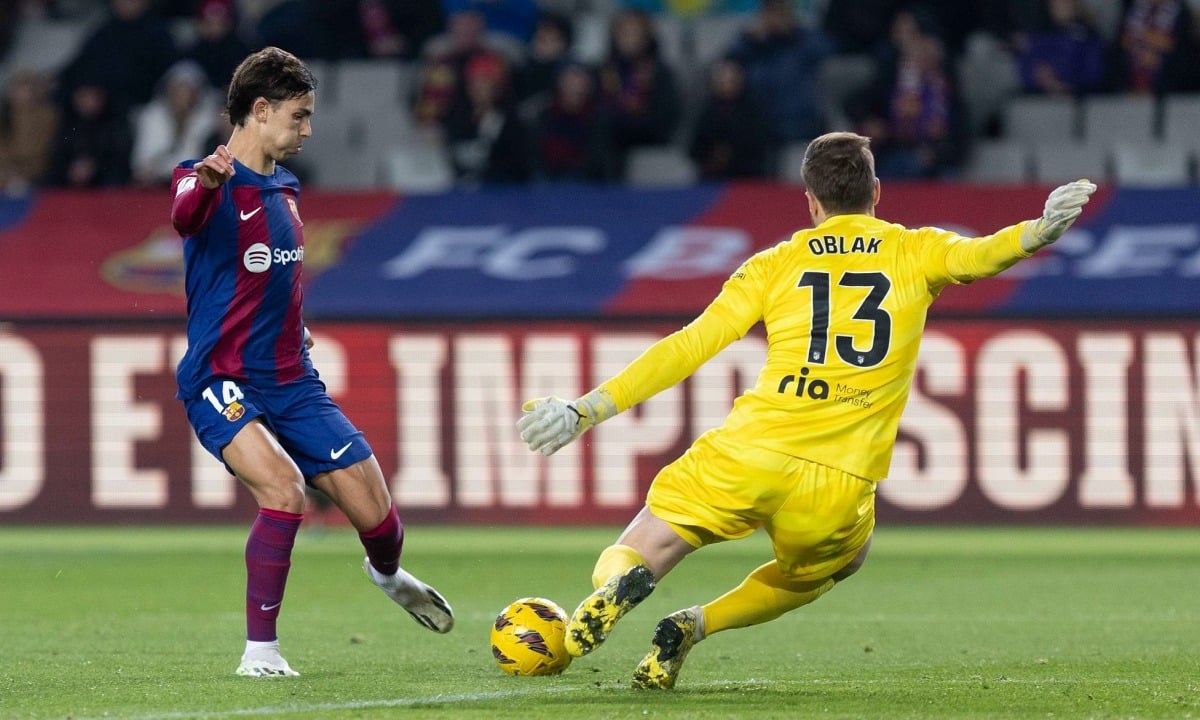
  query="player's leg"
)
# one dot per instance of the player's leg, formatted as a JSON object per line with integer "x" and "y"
{"x": 338, "y": 461}
{"x": 262, "y": 465}
{"x": 821, "y": 535}
{"x": 624, "y": 575}
{"x": 361, "y": 492}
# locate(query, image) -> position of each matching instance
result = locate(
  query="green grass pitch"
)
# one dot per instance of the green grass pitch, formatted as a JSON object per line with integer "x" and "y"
{"x": 146, "y": 623}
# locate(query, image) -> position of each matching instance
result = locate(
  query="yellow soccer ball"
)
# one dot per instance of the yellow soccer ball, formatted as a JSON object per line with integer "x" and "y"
{"x": 527, "y": 638}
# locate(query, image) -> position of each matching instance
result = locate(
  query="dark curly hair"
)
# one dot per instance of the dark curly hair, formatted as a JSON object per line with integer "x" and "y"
{"x": 270, "y": 73}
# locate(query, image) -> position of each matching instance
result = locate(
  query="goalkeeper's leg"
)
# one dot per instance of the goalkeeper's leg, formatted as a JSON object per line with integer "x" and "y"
{"x": 763, "y": 596}
{"x": 625, "y": 574}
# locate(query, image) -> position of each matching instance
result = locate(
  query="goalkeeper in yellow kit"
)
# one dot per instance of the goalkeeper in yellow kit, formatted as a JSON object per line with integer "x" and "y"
{"x": 799, "y": 455}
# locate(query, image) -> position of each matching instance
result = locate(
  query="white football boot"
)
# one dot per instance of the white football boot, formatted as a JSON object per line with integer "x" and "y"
{"x": 262, "y": 659}
{"x": 426, "y": 605}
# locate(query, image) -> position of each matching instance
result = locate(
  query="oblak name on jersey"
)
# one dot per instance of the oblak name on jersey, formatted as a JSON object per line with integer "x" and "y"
{"x": 838, "y": 245}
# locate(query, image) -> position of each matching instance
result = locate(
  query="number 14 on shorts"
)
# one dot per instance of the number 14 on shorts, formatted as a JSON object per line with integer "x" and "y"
{"x": 229, "y": 403}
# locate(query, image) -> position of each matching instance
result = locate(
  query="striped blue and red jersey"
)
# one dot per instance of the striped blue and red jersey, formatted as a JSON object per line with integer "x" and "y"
{"x": 244, "y": 255}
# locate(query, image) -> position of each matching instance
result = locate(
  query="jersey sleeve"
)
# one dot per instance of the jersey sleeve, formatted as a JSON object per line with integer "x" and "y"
{"x": 667, "y": 362}
{"x": 194, "y": 204}
{"x": 950, "y": 258}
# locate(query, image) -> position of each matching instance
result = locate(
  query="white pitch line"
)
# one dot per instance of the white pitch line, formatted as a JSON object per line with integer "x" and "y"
{"x": 553, "y": 690}
{"x": 370, "y": 704}
{"x": 352, "y": 705}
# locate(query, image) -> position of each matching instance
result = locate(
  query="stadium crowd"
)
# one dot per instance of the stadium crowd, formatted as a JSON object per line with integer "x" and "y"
{"x": 503, "y": 91}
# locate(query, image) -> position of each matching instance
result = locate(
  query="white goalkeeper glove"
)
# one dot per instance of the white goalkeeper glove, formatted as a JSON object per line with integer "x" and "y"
{"x": 1063, "y": 205}
{"x": 550, "y": 423}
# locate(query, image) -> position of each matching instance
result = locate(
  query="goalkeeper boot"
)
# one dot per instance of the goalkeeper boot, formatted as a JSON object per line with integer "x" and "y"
{"x": 674, "y": 638}
{"x": 594, "y": 618}
{"x": 262, "y": 659}
{"x": 423, "y": 603}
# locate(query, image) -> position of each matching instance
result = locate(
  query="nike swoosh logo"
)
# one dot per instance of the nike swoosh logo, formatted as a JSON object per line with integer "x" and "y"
{"x": 335, "y": 454}
{"x": 247, "y": 215}
{"x": 265, "y": 607}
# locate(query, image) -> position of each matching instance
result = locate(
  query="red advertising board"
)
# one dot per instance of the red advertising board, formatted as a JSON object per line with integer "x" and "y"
{"x": 1009, "y": 421}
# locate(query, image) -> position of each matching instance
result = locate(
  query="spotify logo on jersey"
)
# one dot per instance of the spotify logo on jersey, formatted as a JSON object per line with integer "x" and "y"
{"x": 257, "y": 258}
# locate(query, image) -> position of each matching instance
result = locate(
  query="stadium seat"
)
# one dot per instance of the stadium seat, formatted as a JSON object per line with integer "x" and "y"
{"x": 338, "y": 152}
{"x": 1064, "y": 161}
{"x": 840, "y": 77}
{"x": 1150, "y": 164}
{"x": 381, "y": 84}
{"x": 672, "y": 42}
{"x": 416, "y": 168}
{"x": 1040, "y": 118}
{"x": 44, "y": 45}
{"x": 998, "y": 161}
{"x": 714, "y": 35}
{"x": 1181, "y": 119}
{"x": 326, "y": 83}
{"x": 791, "y": 162}
{"x": 591, "y": 38}
{"x": 659, "y": 166}
{"x": 563, "y": 7}
{"x": 1109, "y": 118}
{"x": 1107, "y": 14}
{"x": 988, "y": 77}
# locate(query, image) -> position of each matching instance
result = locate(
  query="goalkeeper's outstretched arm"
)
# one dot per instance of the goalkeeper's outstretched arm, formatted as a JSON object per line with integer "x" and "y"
{"x": 968, "y": 259}
{"x": 550, "y": 423}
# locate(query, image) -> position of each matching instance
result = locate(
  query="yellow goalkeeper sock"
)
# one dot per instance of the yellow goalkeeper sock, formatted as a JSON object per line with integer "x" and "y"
{"x": 764, "y": 595}
{"x": 615, "y": 560}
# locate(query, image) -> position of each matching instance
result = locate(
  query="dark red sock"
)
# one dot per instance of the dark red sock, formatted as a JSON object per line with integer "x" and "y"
{"x": 383, "y": 544}
{"x": 268, "y": 559}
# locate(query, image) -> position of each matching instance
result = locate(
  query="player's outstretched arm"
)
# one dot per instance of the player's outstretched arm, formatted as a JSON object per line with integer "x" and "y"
{"x": 1063, "y": 206}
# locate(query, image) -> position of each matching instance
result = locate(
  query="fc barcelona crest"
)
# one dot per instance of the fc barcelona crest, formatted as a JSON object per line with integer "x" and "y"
{"x": 234, "y": 411}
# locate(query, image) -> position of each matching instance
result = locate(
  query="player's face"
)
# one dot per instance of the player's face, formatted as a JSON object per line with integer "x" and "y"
{"x": 289, "y": 122}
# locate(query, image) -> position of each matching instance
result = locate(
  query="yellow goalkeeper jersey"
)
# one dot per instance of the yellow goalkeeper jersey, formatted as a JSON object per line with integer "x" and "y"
{"x": 844, "y": 307}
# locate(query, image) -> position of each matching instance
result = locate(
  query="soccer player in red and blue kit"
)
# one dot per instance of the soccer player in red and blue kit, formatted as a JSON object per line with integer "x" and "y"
{"x": 246, "y": 381}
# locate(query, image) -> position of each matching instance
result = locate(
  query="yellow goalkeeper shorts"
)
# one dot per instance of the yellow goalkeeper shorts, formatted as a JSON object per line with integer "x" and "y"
{"x": 818, "y": 517}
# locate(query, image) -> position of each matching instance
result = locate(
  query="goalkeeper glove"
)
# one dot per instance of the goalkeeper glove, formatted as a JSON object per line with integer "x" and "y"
{"x": 550, "y": 423}
{"x": 1064, "y": 204}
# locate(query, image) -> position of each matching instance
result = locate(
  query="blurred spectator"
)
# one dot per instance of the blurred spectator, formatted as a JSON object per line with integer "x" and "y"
{"x": 442, "y": 86}
{"x": 956, "y": 20}
{"x": 28, "y": 124}
{"x": 731, "y": 138}
{"x": 377, "y": 28}
{"x": 484, "y": 138}
{"x": 572, "y": 138}
{"x": 175, "y": 125}
{"x": 218, "y": 48}
{"x": 10, "y": 12}
{"x": 911, "y": 112}
{"x": 95, "y": 141}
{"x": 1157, "y": 49}
{"x": 693, "y": 8}
{"x": 637, "y": 87}
{"x": 548, "y": 51}
{"x": 515, "y": 18}
{"x": 290, "y": 25}
{"x": 126, "y": 55}
{"x": 782, "y": 61}
{"x": 859, "y": 26}
{"x": 1065, "y": 58}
